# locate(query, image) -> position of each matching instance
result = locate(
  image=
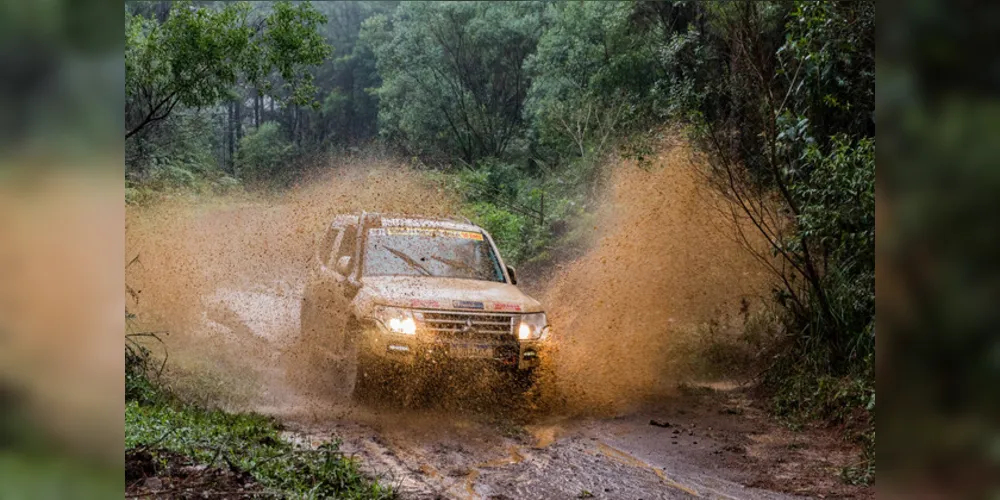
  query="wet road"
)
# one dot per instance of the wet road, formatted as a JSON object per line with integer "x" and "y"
{"x": 459, "y": 458}
{"x": 697, "y": 447}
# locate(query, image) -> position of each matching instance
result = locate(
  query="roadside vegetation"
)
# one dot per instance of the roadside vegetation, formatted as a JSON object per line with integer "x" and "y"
{"x": 520, "y": 107}
{"x": 177, "y": 449}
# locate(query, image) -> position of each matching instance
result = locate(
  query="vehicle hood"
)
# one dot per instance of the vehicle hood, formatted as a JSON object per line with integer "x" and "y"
{"x": 447, "y": 293}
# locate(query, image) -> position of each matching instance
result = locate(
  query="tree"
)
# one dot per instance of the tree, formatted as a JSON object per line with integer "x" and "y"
{"x": 591, "y": 73}
{"x": 197, "y": 55}
{"x": 453, "y": 80}
{"x": 787, "y": 114}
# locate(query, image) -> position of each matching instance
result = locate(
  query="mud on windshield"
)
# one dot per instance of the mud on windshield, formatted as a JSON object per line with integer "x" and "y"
{"x": 441, "y": 253}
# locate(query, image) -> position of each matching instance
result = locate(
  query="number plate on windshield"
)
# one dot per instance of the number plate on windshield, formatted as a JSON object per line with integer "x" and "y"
{"x": 472, "y": 351}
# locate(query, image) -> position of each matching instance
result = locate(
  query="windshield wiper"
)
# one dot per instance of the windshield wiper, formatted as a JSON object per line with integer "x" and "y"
{"x": 409, "y": 260}
{"x": 455, "y": 263}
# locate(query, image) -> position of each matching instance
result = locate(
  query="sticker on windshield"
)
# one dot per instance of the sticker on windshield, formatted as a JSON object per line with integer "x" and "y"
{"x": 424, "y": 231}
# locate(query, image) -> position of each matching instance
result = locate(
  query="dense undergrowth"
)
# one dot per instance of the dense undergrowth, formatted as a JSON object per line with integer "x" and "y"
{"x": 245, "y": 449}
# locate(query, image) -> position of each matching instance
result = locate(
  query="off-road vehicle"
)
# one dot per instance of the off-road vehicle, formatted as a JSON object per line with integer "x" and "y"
{"x": 403, "y": 294}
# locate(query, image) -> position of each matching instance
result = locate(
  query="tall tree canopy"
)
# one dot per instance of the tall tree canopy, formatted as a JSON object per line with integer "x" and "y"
{"x": 453, "y": 77}
{"x": 195, "y": 56}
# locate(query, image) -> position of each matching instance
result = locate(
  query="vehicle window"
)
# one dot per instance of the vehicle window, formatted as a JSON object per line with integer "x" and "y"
{"x": 347, "y": 243}
{"x": 326, "y": 246}
{"x": 430, "y": 252}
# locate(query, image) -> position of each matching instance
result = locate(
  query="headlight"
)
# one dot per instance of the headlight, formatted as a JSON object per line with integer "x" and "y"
{"x": 533, "y": 327}
{"x": 397, "y": 320}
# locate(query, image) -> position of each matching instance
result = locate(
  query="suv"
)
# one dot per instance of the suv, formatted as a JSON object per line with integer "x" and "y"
{"x": 390, "y": 293}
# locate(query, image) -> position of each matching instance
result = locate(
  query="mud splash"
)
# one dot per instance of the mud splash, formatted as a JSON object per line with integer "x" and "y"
{"x": 223, "y": 276}
{"x": 630, "y": 314}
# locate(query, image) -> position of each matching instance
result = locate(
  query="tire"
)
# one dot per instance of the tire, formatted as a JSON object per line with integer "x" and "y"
{"x": 521, "y": 381}
{"x": 317, "y": 362}
{"x": 367, "y": 376}
{"x": 302, "y": 360}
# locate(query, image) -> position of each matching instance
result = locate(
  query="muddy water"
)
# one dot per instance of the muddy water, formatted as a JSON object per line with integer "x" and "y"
{"x": 489, "y": 451}
{"x": 225, "y": 279}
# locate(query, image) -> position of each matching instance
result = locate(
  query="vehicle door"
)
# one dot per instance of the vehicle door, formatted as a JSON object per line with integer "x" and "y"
{"x": 338, "y": 288}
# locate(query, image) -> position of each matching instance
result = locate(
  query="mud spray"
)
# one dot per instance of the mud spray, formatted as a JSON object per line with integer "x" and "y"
{"x": 223, "y": 278}
{"x": 632, "y": 316}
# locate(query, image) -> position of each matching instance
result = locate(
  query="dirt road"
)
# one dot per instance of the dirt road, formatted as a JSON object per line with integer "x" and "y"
{"x": 443, "y": 455}
{"x": 700, "y": 441}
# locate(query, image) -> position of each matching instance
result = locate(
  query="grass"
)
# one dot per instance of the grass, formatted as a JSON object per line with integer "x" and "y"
{"x": 847, "y": 401}
{"x": 246, "y": 448}
{"x": 250, "y": 443}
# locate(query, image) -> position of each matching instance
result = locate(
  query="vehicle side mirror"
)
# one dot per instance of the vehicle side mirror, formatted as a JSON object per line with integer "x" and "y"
{"x": 344, "y": 265}
{"x": 513, "y": 275}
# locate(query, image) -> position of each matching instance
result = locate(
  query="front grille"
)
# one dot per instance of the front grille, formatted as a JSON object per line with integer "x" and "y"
{"x": 467, "y": 326}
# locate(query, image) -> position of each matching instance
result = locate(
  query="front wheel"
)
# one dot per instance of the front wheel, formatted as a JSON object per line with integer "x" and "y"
{"x": 366, "y": 375}
{"x": 523, "y": 380}
{"x": 320, "y": 363}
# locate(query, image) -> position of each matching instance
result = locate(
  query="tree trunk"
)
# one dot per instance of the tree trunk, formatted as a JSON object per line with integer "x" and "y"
{"x": 296, "y": 133}
{"x": 239, "y": 121}
{"x": 256, "y": 109}
{"x": 230, "y": 143}
{"x": 236, "y": 132}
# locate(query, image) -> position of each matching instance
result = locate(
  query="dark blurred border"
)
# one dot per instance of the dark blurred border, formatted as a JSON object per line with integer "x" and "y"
{"x": 62, "y": 77}
{"x": 938, "y": 292}
{"x": 61, "y": 100}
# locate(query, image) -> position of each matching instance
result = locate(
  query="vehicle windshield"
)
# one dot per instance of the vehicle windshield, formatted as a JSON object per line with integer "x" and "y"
{"x": 408, "y": 251}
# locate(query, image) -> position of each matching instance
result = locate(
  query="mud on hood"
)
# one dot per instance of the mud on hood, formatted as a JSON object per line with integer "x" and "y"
{"x": 447, "y": 293}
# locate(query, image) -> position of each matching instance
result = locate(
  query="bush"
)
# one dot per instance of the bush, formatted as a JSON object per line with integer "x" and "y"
{"x": 264, "y": 153}
{"x": 156, "y": 422}
{"x": 506, "y": 228}
{"x": 251, "y": 443}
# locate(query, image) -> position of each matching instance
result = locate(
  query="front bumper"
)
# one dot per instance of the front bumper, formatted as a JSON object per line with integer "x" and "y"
{"x": 414, "y": 349}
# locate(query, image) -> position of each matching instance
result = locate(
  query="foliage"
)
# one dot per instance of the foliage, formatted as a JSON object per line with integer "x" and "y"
{"x": 533, "y": 220}
{"x": 251, "y": 443}
{"x": 289, "y": 74}
{"x": 290, "y": 41}
{"x": 782, "y": 96}
{"x": 264, "y": 153}
{"x": 590, "y": 74}
{"x": 770, "y": 160}
{"x": 348, "y": 112}
{"x": 453, "y": 81}
{"x": 190, "y": 59}
{"x": 195, "y": 56}
{"x": 138, "y": 387}
{"x": 156, "y": 420}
